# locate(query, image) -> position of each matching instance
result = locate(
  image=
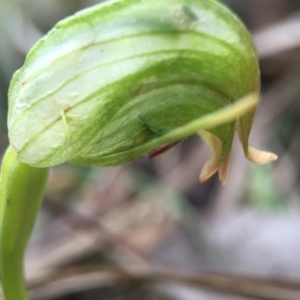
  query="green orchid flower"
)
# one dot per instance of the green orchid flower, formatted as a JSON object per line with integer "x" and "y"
{"x": 115, "y": 82}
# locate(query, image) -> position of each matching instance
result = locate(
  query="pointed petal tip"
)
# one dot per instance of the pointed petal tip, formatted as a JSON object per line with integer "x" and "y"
{"x": 260, "y": 157}
{"x": 209, "y": 170}
{"x": 206, "y": 174}
{"x": 214, "y": 165}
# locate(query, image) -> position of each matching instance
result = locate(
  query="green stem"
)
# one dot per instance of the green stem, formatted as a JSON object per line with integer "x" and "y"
{"x": 21, "y": 191}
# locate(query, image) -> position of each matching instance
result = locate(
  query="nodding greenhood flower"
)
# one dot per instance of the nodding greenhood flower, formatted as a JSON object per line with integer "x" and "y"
{"x": 112, "y": 82}
{"x": 115, "y": 82}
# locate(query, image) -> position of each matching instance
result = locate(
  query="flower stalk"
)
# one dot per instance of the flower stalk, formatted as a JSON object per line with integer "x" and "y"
{"x": 21, "y": 192}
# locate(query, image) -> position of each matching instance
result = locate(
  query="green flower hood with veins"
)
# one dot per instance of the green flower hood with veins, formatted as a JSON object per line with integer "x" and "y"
{"x": 117, "y": 81}
{"x": 113, "y": 82}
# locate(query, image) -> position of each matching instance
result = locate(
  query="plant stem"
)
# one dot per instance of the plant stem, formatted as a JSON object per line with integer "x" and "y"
{"x": 21, "y": 191}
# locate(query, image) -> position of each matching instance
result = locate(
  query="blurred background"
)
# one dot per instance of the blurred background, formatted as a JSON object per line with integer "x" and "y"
{"x": 149, "y": 229}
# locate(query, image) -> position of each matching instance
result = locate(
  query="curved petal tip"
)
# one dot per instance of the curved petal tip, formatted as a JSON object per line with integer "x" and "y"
{"x": 260, "y": 157}
{"x": 210, "y": 169}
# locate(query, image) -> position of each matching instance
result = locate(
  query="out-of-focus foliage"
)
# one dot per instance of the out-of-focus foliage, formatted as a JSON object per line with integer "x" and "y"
{"x": 154, "y": 213}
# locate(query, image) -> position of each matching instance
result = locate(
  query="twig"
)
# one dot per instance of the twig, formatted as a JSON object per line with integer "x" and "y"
{"x": 278, "y": 38}
{"x": 79, "y": 280}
